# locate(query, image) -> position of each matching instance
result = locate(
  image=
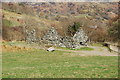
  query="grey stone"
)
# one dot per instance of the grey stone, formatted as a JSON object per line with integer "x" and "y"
{"x": 67, "y": 41}
{"x": 51, "y": 49}
{"x": 80, "y": 37}
{"x": 31, "y": 36}
{"x": 52, "y": 37}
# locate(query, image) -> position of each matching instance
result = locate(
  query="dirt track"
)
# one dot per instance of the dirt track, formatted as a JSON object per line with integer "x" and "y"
{"x": 98, "y": 51}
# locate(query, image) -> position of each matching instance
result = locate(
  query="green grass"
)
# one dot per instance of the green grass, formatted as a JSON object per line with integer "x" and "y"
{"x": 43, "y": 64}
{"x": 96, "y": 44}
{"x": 9, "y": 23}
{"x": 85, "y": 49}
{"x": 82, "y": 48}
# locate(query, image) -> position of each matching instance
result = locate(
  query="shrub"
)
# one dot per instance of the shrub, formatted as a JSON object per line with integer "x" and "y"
{"x": 98, "y": 34}
{"x": 113, "y": 31}
{"x": 72, "y": 29}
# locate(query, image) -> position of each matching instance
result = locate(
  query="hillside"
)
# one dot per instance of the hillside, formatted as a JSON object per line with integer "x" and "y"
{"x": 18, "y": 17}
{"x": 59, "y": 40}
{"x": 98, "y": 10}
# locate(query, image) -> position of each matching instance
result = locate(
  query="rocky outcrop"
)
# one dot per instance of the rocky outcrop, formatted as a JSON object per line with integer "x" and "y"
{"x": 79, "y": 38}
{"x": 52, "y": 37}
{"x": 31, "y": 36}
{"x": 67, "y": 42}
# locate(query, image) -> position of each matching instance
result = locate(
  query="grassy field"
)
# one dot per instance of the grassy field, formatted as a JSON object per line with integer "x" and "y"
{"x": 42, "y": 64}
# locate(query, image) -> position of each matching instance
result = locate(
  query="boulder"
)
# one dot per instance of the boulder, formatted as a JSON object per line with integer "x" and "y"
{"x": 51, "y": 49}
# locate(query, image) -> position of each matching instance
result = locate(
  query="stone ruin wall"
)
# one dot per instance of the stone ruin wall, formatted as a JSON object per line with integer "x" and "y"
{"x": 53, "y": 38}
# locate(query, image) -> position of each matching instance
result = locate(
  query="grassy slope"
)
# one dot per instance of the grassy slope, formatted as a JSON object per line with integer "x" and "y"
{"x": 7, "y": 21}
{"x": 40, "y": 63}
{"x": 12, "y": 15}
{"x": 10, "y": 23}
{"x": 41, "y": 24}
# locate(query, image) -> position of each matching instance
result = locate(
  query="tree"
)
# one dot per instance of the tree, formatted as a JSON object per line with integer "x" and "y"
{"x": 72, "y": 29}
{"x": 114, "y": 32}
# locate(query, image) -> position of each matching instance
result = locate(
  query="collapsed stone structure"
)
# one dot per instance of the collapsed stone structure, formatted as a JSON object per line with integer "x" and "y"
{"x": 31, "y": 36}
{"x": 79, "y": 38}
{"x": 67, "y": 42}
{"x": 52, "y": 38}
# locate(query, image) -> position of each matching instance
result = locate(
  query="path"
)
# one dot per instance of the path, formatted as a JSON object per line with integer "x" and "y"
{"x": 98, "y": 51}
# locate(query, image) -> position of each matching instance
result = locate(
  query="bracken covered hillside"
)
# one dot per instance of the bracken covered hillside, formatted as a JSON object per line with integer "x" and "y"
{"x": 94, "y": 18}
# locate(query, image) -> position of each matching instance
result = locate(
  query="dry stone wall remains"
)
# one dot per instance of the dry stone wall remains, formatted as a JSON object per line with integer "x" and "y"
{"x": 79, "y": 38}
{"x": 53, "y": 38}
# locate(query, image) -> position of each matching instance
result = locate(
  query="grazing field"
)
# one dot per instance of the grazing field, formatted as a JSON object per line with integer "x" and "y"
{"x": 36, "y": 63}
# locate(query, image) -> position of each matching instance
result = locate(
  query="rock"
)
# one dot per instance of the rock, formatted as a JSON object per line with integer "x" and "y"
{"x": 62, "y": 45}
{"x": 52, "y": 37}
{"x": 94, "y": 26}
{"x": 31, "y": 36}
{"x": 67, "y": 41}
{"x": 80, "y": 38}
{"x": 51, "y": 49}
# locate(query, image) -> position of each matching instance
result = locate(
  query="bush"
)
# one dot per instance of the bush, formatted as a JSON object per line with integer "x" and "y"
{"x": 12, "y": 33}
{"x": 72, "y": 29}
{"x": 113, "y": 31}
{"x": 98, "y": 34}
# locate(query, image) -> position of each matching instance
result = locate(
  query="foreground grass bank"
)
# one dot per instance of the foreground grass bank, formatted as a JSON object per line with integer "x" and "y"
{"x": 43, "y": 64}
